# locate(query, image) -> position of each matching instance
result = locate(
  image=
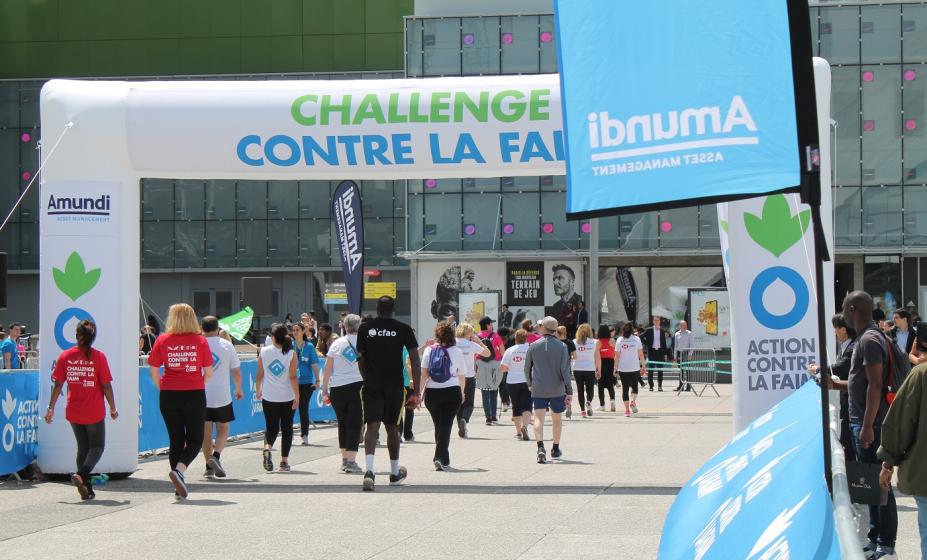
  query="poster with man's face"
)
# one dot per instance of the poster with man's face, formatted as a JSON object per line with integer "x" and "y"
{"x": 440, "y": 284}
{"x": 563, "y": 288}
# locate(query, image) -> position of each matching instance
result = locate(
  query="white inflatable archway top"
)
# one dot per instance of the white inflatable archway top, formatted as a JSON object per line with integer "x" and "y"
{"x": 326, "y": 130}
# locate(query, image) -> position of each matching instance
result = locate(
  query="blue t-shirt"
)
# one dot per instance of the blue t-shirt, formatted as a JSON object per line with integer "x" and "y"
{"x": 406, "y": 379}
{"x": 9, "y": 345}
{"x": 307, "y": 358}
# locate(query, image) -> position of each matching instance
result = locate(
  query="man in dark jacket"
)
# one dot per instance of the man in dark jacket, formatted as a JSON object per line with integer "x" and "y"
{"x": 582, "y": 316}
{"x": 656, "y": 341}
{"x": 846, "y": 343}
{"x": 903, "y": 333}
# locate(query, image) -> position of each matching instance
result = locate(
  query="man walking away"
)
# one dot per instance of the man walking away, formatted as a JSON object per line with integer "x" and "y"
{"x": 380, "y": 342}
{"x": 656, "y": 340}
{"x": 488, "y": 376}
{"x": 219, "y": 395}
{"x": 904, "y": 444}
{"x": 682, "y": 340}
{"x": 547, "y": 368}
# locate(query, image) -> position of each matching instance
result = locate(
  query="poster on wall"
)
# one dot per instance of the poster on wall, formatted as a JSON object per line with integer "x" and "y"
{"x": 476, "y": 305}
{"x": 711, "y": 318}
{"x": 524, "y": 284}
{"x": 440, "y": 283}
{"x": 563, "y": 287}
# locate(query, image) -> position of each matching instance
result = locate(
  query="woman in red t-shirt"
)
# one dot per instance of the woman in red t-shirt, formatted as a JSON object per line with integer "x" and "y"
{"x": 605, "y": 368}
{"x": 187, "y": 362}
{"x": 86, "y": 372}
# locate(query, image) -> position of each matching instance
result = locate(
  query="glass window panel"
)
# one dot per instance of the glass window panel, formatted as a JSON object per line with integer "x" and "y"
{"x": 882, "y": 124}
{"x": 9, "y": 105}
{"x": 252, "y": 243}
{"x": 224, "y": 306}
{"x": 914, "y": 28}
{"x": 283, "y": 243}
{"x": 679, "y": 227}
{"x": 202, "y": 302}
{"x": 611, "y": 305}
{"x": 157, "y": 199}
{"x": 847, "y": 216}
{"x": 880, "y": 29}
{"x": 556, "y": 232}
{"x": 399, "y": 240}
{"x": 29, "y": 207}
{"x": 314, "y": 199}
{"x": 416, "y": 222}
{"x": 158, "y": 244}
{"x": 708, "y": 227}
{"x": 441, "y": 45}
{"x": 840, "y": 34}
{"x": 9, "y": 243}
{"x": 414, "y": 48}
{"x": 548, "y": 47}
{"x": 486, "y": 185}
{"x": 220, "y": 244}
{"x": 608, "y": 233}
{"x": 377, "y": 197}
{"x": 520, "y": 220}
{"x": 282, "y": 199}
{"x": 28, "y": 246}
{"x": 220, "y": 200}
{"x": 520, "y": 45}
{"x": 520, "y": 184}
{"x": 670, "y": 288}
{"x": 442, "y": 222}
{"x": 9, "y": 168}
{"x": 481, "y": 221}
{"x": 251, "y": 199}
{"x": 378, "y": 242}
{"x": 638, "y": 231}
{"x": 189, "y": 200}
{"x": 881, "y": 216}
{"x": 28, "y": 155}
{"x": 314, "y": 243}
{"x": 29, "y": 104}
{"x": 915, "y": 215}
{"x": 815, "y": 30}
{"x": 882, "y": 279}
{"x": 555, "y": 183}
{"x": 915, "y": 122}
{"x": 480, "y": 49}
{"x": 189, "y": 242}
{"x": 442, "y": 185}
{"x": 399, "y": 199}
{"x": 845, "y": 105}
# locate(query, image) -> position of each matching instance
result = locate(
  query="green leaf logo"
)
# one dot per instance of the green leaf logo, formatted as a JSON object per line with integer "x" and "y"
{"x": 73, "y": 281}
{"x": 777, "y": 230}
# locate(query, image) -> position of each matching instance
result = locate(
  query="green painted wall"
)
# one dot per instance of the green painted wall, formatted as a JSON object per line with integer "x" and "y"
{"x": 60, "y": 38}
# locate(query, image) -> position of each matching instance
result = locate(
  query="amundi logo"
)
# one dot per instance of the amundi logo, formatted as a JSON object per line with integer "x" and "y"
{"x": 735, "y": 128}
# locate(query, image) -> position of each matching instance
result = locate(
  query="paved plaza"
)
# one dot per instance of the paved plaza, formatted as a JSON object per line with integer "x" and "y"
{"x": 607, "y": 498}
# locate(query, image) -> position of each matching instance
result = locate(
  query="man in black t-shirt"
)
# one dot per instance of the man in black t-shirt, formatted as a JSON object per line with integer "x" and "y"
{"x": 380, "y": 342}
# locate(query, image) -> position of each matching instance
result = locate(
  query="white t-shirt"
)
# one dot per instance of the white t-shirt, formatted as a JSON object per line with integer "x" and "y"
{"x": 469, "y": 349}
{"x": 224, "y": 359}
{"x": 277, "y": 386}
{"x": 458, "y": 367}
{"x": 628, "y": 360}
{"x": 585, "y": 355}
{"x": 514, "y": 359}
{"x": 343, "y": 353}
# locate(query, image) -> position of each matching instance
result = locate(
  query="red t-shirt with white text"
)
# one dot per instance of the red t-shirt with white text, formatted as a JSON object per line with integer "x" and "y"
{"x": 183, "y": 356}
{"x": 85, "y": 378}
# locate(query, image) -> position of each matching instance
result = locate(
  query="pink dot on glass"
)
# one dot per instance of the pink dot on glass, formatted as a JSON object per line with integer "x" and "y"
{"x": 468, "y": 39}
{"x": 25, "y": 137}
{"x": 910, "y": 75}
{"x": 508, "y": 229}
{"x": 469, "y": 229}
{"x": 507, "y": 38}
{"x": 910, "y": 124}
{"x": 868, "y": 76}
{"x": 548, "y": 228}
{"x": 868, "y": 126}
{"x": 26, "y": 175}
{"x": 666, "y": 227}
{"x": 587, "y": 227}
{"x": 547, "y": 36}
{"x": 430, "y": 183}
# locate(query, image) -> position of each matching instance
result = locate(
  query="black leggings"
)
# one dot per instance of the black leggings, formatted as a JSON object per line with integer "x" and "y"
{"x": 442, "y": 404}
{"x": 346, "y": 401}
{"x": 607, "y": 381}
{"x": 184, "y": 414}
{"x": 278, "y": 417}
{"x": 466, "y": 408}
{"x": 405, "y": 424}
{"x": 504, "y": 389}
{"x": 305, "y": 393}
{"x": 628, "y": 383}
{"x": 91, "y": 439}
{"x": 585, "y": 385}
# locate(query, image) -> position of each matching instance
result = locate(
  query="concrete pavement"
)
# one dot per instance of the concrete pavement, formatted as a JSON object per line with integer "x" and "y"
{"x": 607, "y": 498}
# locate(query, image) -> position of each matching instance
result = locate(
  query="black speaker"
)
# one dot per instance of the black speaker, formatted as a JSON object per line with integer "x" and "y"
{"x": 257, "y": 293}
{"x": 2, "y": 280}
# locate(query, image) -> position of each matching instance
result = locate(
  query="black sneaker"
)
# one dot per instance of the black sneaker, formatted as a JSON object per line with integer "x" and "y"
{"x": 524, "y": 434}
{"x": 542, "y": 455}
{"x": 396, "y": 479}
{"x": 555, "y": 453}
{"x": 90, "y": 493}
{"x": 462, "y": 428}
{"x": 268, "y": 461}
{"x": 215, "y": 466}
{"x": 438, "y": 465}
{"x": 369, "y": 483}
{"x": 79, "y": 483}
{"x": 180, "y": 486}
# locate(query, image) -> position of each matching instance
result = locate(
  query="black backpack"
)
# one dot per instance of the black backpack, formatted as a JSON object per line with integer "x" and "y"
{"x": 492, "y": 351}
{"x": 899, "y": 366}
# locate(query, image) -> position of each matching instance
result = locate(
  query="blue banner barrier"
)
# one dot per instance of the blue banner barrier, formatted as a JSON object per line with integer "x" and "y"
{"x": 249, "y": 416}
{"x": 763, "y": 495}
{"x": 19, "y": 418}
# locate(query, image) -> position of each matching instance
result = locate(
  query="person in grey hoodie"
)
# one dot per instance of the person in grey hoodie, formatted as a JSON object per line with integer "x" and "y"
{"x": 547, "y": 369}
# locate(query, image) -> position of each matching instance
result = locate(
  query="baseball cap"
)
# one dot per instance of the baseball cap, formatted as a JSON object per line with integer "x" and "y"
{"x": 485, "y": 321}
{"x": 548, "y": 323}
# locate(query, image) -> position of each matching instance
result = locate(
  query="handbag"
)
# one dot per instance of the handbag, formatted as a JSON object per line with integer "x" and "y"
{"x": 863, "y": 481}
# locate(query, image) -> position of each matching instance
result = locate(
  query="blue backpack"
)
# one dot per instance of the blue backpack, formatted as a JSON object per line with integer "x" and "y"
{"x": 439, "y": 364}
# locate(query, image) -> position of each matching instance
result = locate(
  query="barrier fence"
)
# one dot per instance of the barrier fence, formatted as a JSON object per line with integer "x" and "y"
{"x": 696, "y": 366}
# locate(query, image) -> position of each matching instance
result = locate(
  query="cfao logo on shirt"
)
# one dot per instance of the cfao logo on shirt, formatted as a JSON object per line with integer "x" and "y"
{"x": 381, "y": 332}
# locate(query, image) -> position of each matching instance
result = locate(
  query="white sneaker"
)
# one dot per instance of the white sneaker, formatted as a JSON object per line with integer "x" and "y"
{"x": 305, "y": 440}
{"x": 613, "y": 407}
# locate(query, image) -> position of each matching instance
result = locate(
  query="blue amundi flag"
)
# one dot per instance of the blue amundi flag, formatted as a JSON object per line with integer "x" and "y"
{"x": 349, "y": 228}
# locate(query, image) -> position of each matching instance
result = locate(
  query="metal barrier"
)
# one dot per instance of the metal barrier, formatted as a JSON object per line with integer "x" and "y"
{"x": 697, "y": 366}
{"x": 844, "y": 517}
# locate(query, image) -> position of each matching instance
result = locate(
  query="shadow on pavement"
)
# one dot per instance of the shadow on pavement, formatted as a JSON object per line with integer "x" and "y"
{"x": 105, "y": 503}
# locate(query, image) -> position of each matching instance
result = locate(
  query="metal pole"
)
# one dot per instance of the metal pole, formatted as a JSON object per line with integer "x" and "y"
{"x": 592, "y": 299}
{"x": 820, "y": 255}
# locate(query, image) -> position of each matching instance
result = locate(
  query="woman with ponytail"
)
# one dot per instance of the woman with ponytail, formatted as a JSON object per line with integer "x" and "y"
{"x": 86, "y": 372}
{"x": 277, "y": 386}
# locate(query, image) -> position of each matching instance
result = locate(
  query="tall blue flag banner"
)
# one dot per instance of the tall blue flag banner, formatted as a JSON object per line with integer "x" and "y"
{"x": 763, "y": 495}
{"x": 349, "y": 226}
{"x": 671, "y": 103}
